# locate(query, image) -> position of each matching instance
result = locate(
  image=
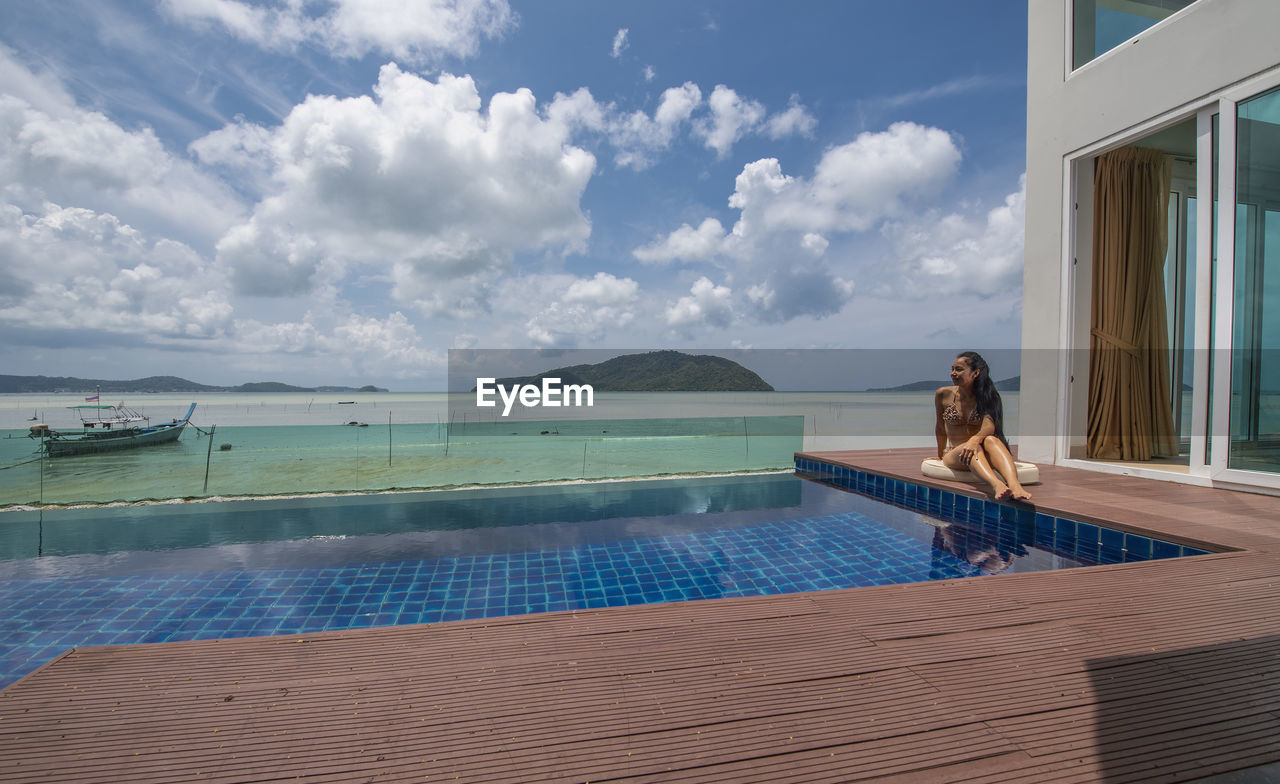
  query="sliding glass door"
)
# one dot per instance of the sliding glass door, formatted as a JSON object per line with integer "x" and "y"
{"x": 1255, "y": 330}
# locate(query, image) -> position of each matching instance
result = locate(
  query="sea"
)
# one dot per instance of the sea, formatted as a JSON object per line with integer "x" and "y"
{"x": 273, "y": 444}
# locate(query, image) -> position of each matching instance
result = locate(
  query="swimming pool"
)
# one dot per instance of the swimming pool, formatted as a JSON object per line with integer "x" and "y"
{"x": 82, "y": 577}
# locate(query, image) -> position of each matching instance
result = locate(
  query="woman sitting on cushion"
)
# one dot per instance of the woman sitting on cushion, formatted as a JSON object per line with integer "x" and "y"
{"x": 970, "y": 428}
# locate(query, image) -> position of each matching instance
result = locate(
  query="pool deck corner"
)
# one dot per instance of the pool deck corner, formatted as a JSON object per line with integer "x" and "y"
{"x": 1156, "y": 671}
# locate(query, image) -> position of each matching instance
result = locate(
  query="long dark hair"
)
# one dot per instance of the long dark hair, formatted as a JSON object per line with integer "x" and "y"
{"x": 984, "y": 392}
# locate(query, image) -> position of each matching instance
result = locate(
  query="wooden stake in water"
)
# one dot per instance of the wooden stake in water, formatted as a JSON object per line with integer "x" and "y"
{"x": 208, "y": 459}
{"x": 584, "y": 459}
{"x": 388, "y": 439}
{"x": 746, "y": 440}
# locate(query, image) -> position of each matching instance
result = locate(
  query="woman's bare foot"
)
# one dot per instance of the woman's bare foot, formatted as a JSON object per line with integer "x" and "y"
{"x": 1002, "y": 492}
{"x": 1020, "y": 494}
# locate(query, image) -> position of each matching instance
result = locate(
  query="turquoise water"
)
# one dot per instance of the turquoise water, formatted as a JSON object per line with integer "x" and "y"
{"x": 298, "y": 443}
{"x": 271, "y": 460}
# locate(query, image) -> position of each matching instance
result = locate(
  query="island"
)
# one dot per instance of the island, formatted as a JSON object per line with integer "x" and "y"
{"x": 655, "y": 371}
{"x": 45, "y": 384}
{"x": 1012, "y": 384}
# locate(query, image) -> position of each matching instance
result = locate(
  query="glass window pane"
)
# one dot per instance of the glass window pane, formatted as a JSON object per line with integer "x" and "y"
{"x": 1101, "y": 25}
{"x": 1255, "y": 376}
{"x": 1189, "y": 303}
{"x": 1213, "y": 272}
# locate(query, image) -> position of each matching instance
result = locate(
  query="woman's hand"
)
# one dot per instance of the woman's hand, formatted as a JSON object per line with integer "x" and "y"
{"x": 967, "y": 450}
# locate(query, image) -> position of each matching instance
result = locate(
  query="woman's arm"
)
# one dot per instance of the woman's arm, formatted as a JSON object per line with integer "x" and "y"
{"x": 973, "y": 444}
{"x": 940, "y": 428}
{"x": 987, "y": 428}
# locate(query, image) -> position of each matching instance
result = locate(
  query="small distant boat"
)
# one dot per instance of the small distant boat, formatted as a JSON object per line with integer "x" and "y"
{"x": 346, "y": 402}
{"x": 107, "y": 429}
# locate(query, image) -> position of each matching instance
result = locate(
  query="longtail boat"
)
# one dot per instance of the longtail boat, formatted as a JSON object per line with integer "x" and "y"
{"x": 106, "y": 428}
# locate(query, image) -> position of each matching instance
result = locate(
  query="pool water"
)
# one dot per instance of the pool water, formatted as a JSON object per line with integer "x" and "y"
{"x": 233, "y": 569}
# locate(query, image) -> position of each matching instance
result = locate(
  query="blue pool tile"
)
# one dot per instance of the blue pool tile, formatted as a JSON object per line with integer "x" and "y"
{"x": 1087, "y": 552}
{"x": 1063, "y": 527}
{"x": 1164, "y": 550}
{"x": 1110, "y": 555}
{"x": 1087, "y": 533}
{"x": 1137, "y": 546}
{"x": 1111, "y": 539}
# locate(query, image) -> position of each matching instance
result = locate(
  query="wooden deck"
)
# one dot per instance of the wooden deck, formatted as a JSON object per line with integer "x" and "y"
{"x": 1158, "y": 671}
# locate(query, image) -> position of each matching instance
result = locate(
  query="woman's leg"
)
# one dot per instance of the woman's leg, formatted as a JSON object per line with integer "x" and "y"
{"x": 979, "y": 466}
{"x": 982, "y": 468}
{"x": 1000, "y": 458}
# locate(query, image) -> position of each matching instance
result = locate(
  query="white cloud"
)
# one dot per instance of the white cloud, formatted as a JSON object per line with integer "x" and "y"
{"x": 637, "y": 136}
{"x": 41, "y": 91}
{"x": 778, "y": 247}
{"x": 685, "y": 243}
{"x": 603, "y": 289}
{"x": 706, "y": 305}
{"x": 577, "y": 111}
{"x": 349, "y": 345}
{"x": 804, "y": 290}
{"x": 649, "y": 73}
{"x": 242, "y": 148}
{"x": 53, "y": 151}
{"x": 564, "y": 310}
{"x": 956, "y": 86}
{"x": 854, "y": 185}
{"x": 620, "y": 43}
{"x": 392, "y": 340}
{"x": 732, "y": 117}
{"x": 71, "y": 268}
{"x": 416, "y": 32}
{"x": 952, "y": 254}
{"x": 677, "y": 105}
{"x": 416, "y": 181}
{"x": 815, "y": 243}
{"x": 796, "y": 120}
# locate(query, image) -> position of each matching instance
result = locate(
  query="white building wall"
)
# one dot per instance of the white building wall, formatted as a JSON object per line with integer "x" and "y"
{"x": 1163, "y": 75}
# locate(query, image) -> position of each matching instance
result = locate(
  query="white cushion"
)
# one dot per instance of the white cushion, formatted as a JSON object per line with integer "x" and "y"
{"x": 933, "y": 468}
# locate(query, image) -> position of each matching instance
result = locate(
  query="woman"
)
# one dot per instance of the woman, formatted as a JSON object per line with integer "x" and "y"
{"x": 970, "y": 428}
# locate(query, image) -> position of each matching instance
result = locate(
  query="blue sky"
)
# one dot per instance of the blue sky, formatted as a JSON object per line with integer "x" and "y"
{"x": 339, "y": 191}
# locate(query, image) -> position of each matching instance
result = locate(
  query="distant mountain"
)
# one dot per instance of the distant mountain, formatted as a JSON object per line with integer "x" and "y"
{"x": 656, "y": 371}
{"x": 1007, "y": 385}
{"x": 30, "y": 384}
{"x": 270, "y": 386}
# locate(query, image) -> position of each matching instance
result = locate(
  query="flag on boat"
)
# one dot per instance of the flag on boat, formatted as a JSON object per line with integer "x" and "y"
{"x": 91, "y": 398}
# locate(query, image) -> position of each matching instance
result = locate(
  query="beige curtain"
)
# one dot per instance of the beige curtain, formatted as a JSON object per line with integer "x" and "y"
{"x": 1130, "y": 414}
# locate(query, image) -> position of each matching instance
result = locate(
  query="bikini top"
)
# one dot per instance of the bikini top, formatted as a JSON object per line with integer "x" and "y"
{"x": 951, "y": 414}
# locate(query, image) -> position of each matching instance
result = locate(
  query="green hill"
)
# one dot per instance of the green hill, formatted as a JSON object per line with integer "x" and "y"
{"x": 32, "y": 384}
{"x": 1007, "y": 385}
{"x": 270, "y": 386}
{"x": 656, "y": 371}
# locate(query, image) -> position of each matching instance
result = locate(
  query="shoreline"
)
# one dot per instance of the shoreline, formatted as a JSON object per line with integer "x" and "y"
{"x": 388, "y": 491}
